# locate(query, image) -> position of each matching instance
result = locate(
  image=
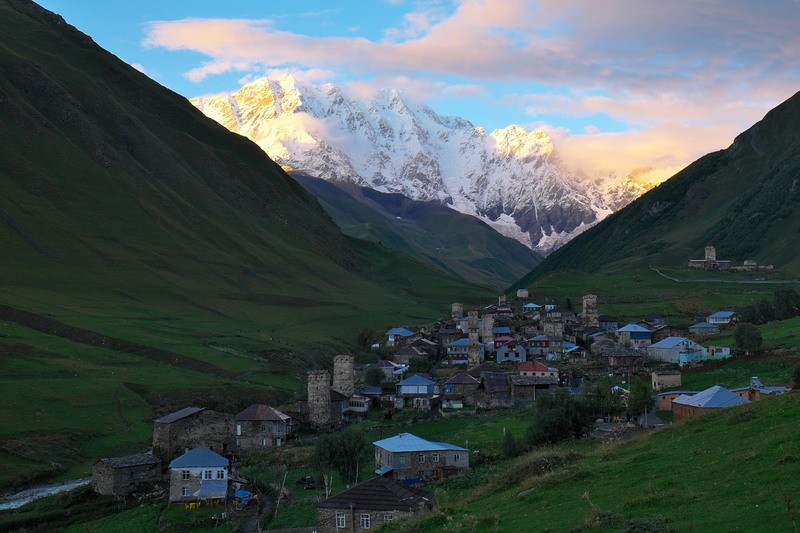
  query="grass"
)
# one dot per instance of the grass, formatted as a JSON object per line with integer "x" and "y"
{"x": 691, "y": 476}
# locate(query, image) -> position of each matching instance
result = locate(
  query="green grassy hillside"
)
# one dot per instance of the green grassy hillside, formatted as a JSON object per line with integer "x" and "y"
{"x": 127, "y": 218}
{"x": 734, "y": 470}
{"x": 745, "y": 200}
{"x": 443, "y": 239}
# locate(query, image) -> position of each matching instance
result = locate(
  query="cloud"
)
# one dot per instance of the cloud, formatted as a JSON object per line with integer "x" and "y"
{"x": 139, "y": 67}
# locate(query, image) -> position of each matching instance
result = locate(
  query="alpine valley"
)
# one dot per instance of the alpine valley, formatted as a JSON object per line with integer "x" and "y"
{"x": 512, "y": 179}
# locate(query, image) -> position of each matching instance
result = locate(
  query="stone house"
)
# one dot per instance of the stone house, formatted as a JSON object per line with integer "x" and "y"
{"x": 119, "y": 476}
{"x": 542, "y": 345}
{"x": 406, "y": 457}
{"x": 703, "y": 328}
{"x": 528, "y": 388}
{"x": 369, "y": 505}
{"x": 198, "y": 475}
{"x": 635, "y": 336}
{"x": 398, "y": 337}
{"x": 460, "y": 391}
{"x": 261, "y": 426}
{"x": 416, "y": 391}
{"x": 665, "y": 379}
{"x": 192, "y": 427}
{"x": 495, "y": 391}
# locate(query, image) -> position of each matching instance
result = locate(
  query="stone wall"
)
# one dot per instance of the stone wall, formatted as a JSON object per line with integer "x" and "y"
{"x": 326, "y": 519}
{"x": 319, "y": 397}
{"x": 205, "y": 429}
{"x": 121, "y": 481}
{"x": 344, "y": 374}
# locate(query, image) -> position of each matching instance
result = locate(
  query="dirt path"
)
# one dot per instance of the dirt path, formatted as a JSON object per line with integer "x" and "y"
{"x": 92, "y": 338}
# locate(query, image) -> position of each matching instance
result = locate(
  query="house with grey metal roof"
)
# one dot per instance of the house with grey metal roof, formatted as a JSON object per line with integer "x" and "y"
{"x": 411, "y": 459}
{"x": 192, "y": 427}
{"x": 260, "y": 426}
{"x": 721, "y": 317}
{"x": 670, "y": 349}
{"x": 716, "y": 397}
{"x": 371, "y": 504}
{"x": 199, "y": 474}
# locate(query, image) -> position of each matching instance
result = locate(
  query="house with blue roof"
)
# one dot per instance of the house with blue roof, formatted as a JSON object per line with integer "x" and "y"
{"x": 458, "y": 351}
{"x": 673, "y": 349}
{"x": 396, "y": 337}
{"x": 411, "y": 459}
{"x": 703, "y": 328}
{"x": 635, "y": 336}
{"x": 721, "y": 318}
{"x": 416, "y": 391}
{"x": 199, "y": 475}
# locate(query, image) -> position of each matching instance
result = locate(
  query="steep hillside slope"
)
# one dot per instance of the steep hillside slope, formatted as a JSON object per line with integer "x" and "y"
{"x": 440, "y": 237}
{"x": 745, "y": 200}
{"x": 512, "y": 179}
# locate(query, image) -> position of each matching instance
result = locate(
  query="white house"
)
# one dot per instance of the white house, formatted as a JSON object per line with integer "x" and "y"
{"x": 721, "y": 318}
{"x": 198, "y": 475}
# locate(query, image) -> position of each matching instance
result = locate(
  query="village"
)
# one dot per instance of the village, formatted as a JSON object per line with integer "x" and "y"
{"x": 501, "y": 356}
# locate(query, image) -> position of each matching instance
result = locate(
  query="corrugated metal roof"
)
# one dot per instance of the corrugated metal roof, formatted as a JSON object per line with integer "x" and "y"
{"x": 634, "y": 328}
{"x": 406, "y": 442}
{"x": 416, "y": 379}
{"x": 703, "y": 325}
{"x": 459, "y": 342}
{"x": 400, "y": 331}
{"x": 198, "y": 457}
{"x": 213, "y": 488}
{"x": 177, "y": 415}
{"x": 462, "y": 378}
{"x": 259, "y": 411}
{"x": 379, "y": 494}
{"x": 722, "y": 314}
{"x": 668, "y": 342}
{"x": 712, "y": 398}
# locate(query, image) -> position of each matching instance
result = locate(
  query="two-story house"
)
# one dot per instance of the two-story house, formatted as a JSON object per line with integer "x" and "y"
{"x": 406, "y": 457}
{"x": 198, "y": 475}
{"x": 261, "y": 425}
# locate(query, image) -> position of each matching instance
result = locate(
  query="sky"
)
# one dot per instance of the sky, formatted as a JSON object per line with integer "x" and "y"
{"x": 620, "y": 85}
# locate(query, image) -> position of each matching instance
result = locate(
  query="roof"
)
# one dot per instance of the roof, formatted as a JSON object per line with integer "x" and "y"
{"x": 503, "y": 338}
{"x": 198, "y": 457}
{"x": 495, "y": 382}
{"x": 532, "y": 305}
{"x": 131, "y": 460}
{"x": 722, "y": 314}
{"x": 606, "y": 318}
{"x": 379, "y": 494}
{"x": 406, "y": 442}
{"x": 410, "y": 350}
{"x": 668, "y": 342}
{"x": 544, "y": 338}
{"x": 518, "y": 380}
{"x": 479, "y": 370}
{"x": 703, "y": 325}
{"x": 177, "y": 415}
{"x": 260, "y": 412}
{"x": 501, "y": 329}
{"x": 403, "y": 332}
{"x": 462, "y": 378}
{"x": 534, "y": 366}
{"x": 634, "y": 328}
{"x": 416, "y": 379}
{"x": 460, "y": 342}
{"x": 711, "y": 398}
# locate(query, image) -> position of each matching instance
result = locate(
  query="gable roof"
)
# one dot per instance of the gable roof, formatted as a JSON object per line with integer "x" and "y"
{"x": 199, "y": 457}
{"x": 177, "y": 415}
{"x": 501, "y": 329}
{"x": 712, "y": 398}
{"x": 410, "y": 350}
{"x": 416, "y": 379}
{"x": 406, "y": 442}
{"x": 633, "y": 328}
{"x": 400, "y": 331}
{"x": 495, "y": 382}
{"x": 722, "y": 314}
{"x": 668, "y": 342}
{"x": 259, "y": 412}
{"x": 535, "y": 366}
{"x": 379, "y": 494}
{"x": 460, "y": 342}
{"x": 703, "y": 325}
{"x": 478, "y": 370}
{"x": 462, "y": 378}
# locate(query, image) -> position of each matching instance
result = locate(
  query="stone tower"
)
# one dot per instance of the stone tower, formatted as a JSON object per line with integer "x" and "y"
{"x": 501, "y": 300}
{"x": 473, "y": 331}
{"x": 319, "y": 397}
{"x": 487, "y": 323}
{"x": 344, "y": 374}
{"x": 457, "y": 311}
{"x": 711, "y": 254}
{"x": 553, "y": 328}
{"x": 590, "y": 317}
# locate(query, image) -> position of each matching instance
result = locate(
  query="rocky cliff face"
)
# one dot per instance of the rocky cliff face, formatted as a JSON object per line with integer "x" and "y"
{"x": 511, "y": 178}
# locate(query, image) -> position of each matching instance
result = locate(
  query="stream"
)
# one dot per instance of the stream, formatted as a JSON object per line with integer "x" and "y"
{"x": 19, "y": 499}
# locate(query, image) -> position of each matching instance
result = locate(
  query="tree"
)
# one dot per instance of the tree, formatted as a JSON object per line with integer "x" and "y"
{"x": 747, "y": 338}
{"x": 558, "y": 417}
{"x": 641, "y": 400}
{"x": 796, "y": 377}
{"x": 786, "y": 303}
{"x": 602, "y": 400}
{"x": 418, "y": 365}
{"x": 340, "y": 451}
{"x": 511, "y": 447}
{"x": 374, "y": 376}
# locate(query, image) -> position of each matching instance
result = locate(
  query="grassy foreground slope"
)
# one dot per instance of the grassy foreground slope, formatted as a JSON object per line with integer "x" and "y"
{"x": 745, "y": 200}
{"x": 735, "y": 470}
{"x": 127, "y": 214}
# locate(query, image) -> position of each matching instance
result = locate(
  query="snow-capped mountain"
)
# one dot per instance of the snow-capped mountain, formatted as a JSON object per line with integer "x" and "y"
{"x": 511, "y": 178}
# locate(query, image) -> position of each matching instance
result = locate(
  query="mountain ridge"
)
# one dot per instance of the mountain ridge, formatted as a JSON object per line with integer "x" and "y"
{"x": 511, "y": 178}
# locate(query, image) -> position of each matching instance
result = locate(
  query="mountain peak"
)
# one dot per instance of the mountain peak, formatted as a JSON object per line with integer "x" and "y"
{"x": 512, "y": 179}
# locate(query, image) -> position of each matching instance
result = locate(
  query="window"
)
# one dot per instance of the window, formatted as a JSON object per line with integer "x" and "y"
{"x": 220, "y": 474}
{"x": 263, "y": 427}
{"x": 340, "y": 520}
{"x": 263, "y": 442}
{"x": 364, "y": 520}
{"x": 388, "y": 517}
{"x": 456, "y": 457}
{"x": 207, "y": 474}
{"x": 238, "y": 429}
{"x": 435, "y": 457}
{"x": 402, "y": 460}
{"x": 185, "y": 491}
{"x": 421, "y": 458}
{"x": 184, "y": 474}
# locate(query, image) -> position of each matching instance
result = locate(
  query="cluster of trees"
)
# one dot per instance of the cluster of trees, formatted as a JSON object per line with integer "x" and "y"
{"x": 342, "y": 451}
{"x": 785, "y": 304}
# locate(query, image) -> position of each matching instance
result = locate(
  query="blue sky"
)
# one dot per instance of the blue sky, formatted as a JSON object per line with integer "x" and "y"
{"x": 619, "y": 84}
